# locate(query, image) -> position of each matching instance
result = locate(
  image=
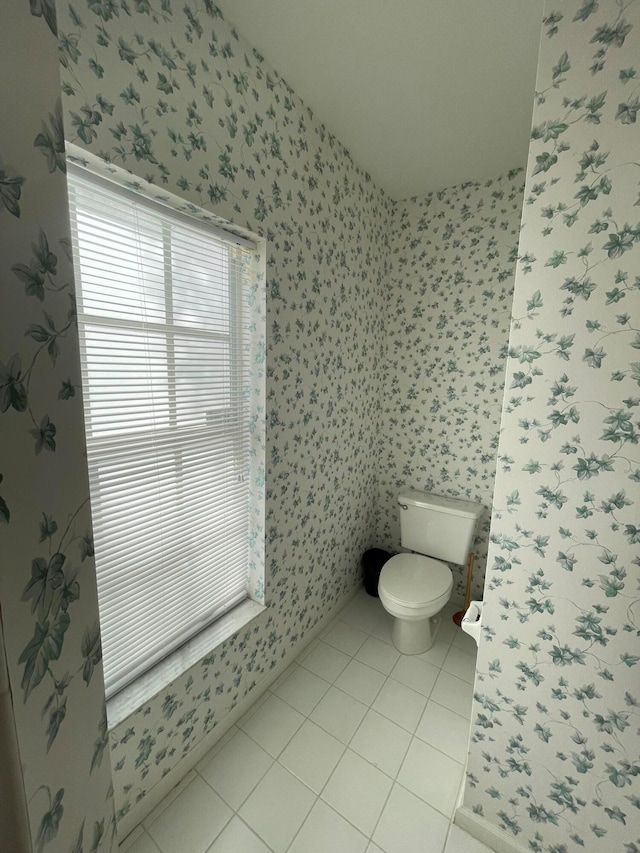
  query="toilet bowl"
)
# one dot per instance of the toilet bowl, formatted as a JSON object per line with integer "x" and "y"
{"x": 413, "y": 589}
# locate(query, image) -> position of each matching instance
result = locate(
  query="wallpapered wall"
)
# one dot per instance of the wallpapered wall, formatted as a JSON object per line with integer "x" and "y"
{"x": 554, "y": 755}
{"x": 47, "y": 576}
{"x": 451, "y": 275}
{"x": 177, "y": 97}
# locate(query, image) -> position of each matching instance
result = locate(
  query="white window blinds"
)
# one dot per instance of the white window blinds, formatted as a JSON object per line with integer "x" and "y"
{"x": 163, "y": 347}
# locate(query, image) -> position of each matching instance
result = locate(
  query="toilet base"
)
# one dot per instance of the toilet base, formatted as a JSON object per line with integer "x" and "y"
{"x": 414, "y": 636}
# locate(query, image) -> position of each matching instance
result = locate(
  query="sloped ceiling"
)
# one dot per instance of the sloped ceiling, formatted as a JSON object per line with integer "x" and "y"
{"x": 424, "y": 93}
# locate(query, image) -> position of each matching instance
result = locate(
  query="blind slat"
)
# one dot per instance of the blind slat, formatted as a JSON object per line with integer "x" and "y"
{"x": 164, "y": 353}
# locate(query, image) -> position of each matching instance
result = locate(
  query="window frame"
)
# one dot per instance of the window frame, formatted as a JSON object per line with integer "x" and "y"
{"x": 199, "y": 643}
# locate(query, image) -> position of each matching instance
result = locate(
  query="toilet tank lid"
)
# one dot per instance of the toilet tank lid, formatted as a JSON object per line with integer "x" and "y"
{"x": 452, "y": 506}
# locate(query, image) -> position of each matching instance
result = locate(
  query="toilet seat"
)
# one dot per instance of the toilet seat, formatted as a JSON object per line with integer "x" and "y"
{"x": 411, "y": 583}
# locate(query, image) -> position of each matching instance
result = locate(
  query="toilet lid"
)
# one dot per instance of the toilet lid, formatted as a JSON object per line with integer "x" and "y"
{"x": 413, "y": 578}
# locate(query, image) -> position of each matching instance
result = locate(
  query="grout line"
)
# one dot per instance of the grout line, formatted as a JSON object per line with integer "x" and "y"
{"x": 173, "y": 794}
{"x": 345, "y": 747}
{"x": 233, "y": 809}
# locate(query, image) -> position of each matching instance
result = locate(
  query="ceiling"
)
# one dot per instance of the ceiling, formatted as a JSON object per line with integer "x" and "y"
{"x": 425, "y": 94}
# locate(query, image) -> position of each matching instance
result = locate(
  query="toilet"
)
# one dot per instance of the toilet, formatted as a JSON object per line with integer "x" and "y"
{"x": 414, "y": 587}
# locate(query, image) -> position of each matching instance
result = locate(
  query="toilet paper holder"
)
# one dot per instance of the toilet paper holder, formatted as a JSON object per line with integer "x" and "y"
{"x": 472, "y": 620}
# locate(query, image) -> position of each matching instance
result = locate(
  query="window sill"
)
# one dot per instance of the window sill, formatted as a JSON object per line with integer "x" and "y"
{"x": 162, "y": 674}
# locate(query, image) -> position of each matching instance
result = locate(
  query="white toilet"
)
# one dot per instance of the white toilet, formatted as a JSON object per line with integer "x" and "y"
{"x": 414, "y": 588}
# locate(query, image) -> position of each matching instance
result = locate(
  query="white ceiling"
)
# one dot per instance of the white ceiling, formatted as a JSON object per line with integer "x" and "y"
{"x": 425, "y": 94}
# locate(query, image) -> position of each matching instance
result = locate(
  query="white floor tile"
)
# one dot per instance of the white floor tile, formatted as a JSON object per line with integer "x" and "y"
{"x": 381, "y": 742}
{"x": 363, "y": 613}
{"x": 252, "y": 710}
{"x": 325, "y": 831}
{"x": 284, "y": 675}
{"x": 328, "y": 628}
{"x": 236, "y": 770}
{"x": 460, "y": 841}
{"x": 432, "y": 776}
{"x": 408, "y": 824}
{"x": 436, "y": 654}
{"x": 302, "y": 690}
{"x": 461, "y": 664}
{"x": 345, "y": 637}
{"x": 379, "y": 655}
{"x": 451, "y": 607}
{"x": 326, "y": 662}
{"x": 400, "y": 704}
{"x": 236, "y": 837}
{"x": 312, "y": 755}
{"x": 273, "y": 725}
{"x": 465, "y": 642}
{"x": 332, "y": 682}
{"x": 381, "y": 629}
{"x": 358, "y": 791}
{"x": 445, "y": 730}
{"x": 339, "y": 714}
{"x": 277, "y": 808}
{"x": 447, "y": 629}
{"x": 173, "y": 793}
{"x": 192, "y": 821}
{"x": 360, "y": 681}
{"x": 453, "y": 693}
{"x": 139, "y": 842}
{"x": 415, "y": 673}
{"x": 216, "y": 748}
{"x": 307, "y": 651}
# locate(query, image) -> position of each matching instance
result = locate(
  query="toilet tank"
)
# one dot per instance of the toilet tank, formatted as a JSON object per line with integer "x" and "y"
{"x": 439, "y": 527}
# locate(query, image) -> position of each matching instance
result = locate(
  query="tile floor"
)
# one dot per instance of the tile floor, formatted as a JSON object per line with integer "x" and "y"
{"x": 354, "y": 749}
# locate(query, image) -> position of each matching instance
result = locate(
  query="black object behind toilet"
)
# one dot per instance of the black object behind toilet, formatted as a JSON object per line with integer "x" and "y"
{"x": 372, "y": 562}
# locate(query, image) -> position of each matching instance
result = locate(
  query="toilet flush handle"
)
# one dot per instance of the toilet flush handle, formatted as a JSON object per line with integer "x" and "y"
{"x": 404, "y": 506}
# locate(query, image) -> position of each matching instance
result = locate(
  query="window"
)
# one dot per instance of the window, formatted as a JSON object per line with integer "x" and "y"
{"x": 164, "y": 350}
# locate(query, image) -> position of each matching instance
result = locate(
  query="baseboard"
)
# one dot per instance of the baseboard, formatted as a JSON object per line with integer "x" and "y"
{"x": 140, "y": 810}
{"x": 480, "y": 828}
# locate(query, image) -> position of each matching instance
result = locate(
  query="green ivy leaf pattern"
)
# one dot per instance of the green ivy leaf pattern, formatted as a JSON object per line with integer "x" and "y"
{"x": 78, "y": 847}
{"x": 46, "y": 578}
{"x": 67, "y": 390}
{"x": 5, "y": 514}
{"x": 10, "y": 190}
{"x": 45, "y": 435}
{"x": 42, "y": 649}
{"x": 45, "y": 9}
{"x": 91, "y": 651}
{"x": 13, "y": 394}
{"x": 50, "y": 822}
{"x": 453, "y": 269}
{"x": 50, "y": 141}
{"x": 241, "y": 143}
{"x": 102, "y": 742}
{"x": 32, "y": 278}
{"x": 98, "y": 833}
{"x": 39, "y": 278}
{"x": 565, "y": 630}
{"x": 56, "y": 717}
{"x": 44, "y": 615}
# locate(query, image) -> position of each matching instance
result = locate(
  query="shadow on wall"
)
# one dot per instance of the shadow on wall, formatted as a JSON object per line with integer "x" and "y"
{"x": 14, "y": 823}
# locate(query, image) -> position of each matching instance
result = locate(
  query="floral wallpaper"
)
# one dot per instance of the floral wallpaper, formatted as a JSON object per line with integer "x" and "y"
{"x": 554, "y": 754}
{"x": 47, "y": 582}
{"x": 451, "y": 274}
{"x": 173, "y": 94}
